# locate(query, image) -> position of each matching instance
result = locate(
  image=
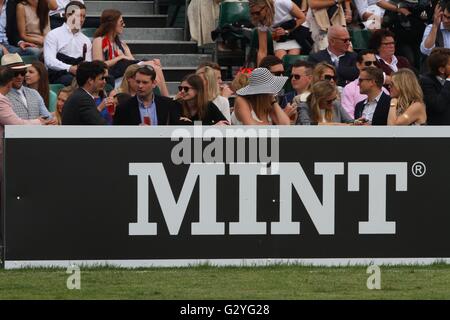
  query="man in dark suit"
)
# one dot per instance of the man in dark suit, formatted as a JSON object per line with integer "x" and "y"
{"x": 80, "y": 108}
{"x": 338, "y": 55}
{"x": 375, "y": 109}
{"x": 146, "y": 108}
{"x": 436, "y": 87}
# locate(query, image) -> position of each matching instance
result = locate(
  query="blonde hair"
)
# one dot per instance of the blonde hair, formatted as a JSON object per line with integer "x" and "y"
{"x": 319, "y": 70}
{"x": 211, "y": 85}
{"x": 409, "y": 90}
{"x": 239, "y": 81}
{"x": 68, "y": 90}
{"x": 130, "y": 72}
{"x": 320, "y": 91}
{"x": 267, "y": 19}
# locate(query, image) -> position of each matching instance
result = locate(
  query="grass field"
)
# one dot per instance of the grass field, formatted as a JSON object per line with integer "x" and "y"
{"x": 207, "y": 282}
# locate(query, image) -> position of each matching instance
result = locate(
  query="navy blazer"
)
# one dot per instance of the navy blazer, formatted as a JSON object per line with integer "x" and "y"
{"x": 167, "y": 112}
{"x": 347, "y": 70}
{"x": 381, "y": 111}
{"x": 437, "y": 100}
{"x": 80, "y": 109}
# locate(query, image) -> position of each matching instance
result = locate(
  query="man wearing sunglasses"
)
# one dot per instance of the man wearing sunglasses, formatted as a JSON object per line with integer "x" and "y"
{"x": 351, "y": 94}
{"x": 27, "y": 103}
{"x": 301, "y": 77}
{"x": 437, "y": 34}
{"x": 80, "y": 108}
{"x": 338, "y": 54}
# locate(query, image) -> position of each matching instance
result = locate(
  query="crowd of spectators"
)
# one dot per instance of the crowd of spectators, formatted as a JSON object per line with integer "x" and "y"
{"x": 102, "y": 83}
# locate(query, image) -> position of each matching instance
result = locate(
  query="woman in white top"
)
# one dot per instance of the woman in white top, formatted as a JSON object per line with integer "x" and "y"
{"x": 256, "y": 103}
{"x": 270, "y": 15}
{"x": 212, "y": 90}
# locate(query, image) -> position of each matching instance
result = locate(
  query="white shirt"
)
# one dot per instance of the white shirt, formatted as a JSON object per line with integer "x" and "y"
{"x": 63, "y": 40}
{"x": 370, "y": 106}
{"x": 392, "y": 65}
{"x": 223, "y": 105}
{"x": 61, "y": 7}
{"x": 335, "y": 58}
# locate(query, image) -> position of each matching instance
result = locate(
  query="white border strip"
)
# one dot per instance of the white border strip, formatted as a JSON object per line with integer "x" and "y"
{"x": 223, "y": 262}
{"x": 228, "y": 131}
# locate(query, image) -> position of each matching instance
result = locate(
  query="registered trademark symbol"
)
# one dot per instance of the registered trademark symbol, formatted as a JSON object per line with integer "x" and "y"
{"x": 418, "y": 169}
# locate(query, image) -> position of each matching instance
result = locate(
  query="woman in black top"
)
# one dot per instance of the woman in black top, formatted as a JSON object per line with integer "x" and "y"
{"x": 195, "y": 106}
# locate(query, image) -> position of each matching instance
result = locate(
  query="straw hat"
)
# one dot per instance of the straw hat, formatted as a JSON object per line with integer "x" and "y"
{"x": 261, "y": 81}
{"x": 14, "y": 61}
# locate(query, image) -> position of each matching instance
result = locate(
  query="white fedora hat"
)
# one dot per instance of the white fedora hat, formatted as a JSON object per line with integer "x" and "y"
{"x": 14, "y": 61}
{"x": 261, "y": 81}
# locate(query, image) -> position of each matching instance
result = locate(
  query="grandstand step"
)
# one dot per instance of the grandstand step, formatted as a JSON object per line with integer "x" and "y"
{"x": 153, "y": 34}
{"x": 177, "y": 73}
{"x": 176, "y": 60}
{"x": 161, "y": 46}
{"x": 126, "y": 7}
{"x": 134, "y": 20}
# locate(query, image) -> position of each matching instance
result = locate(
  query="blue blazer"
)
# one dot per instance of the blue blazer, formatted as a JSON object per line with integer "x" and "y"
{"x": 381, "y": 111}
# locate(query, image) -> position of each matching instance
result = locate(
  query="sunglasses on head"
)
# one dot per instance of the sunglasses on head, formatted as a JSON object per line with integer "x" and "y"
{"x": 370, "y": 63}
{"x": 185, "y": 89}
{"x": 329, "y": 77}
{"x": 296, "y": 76}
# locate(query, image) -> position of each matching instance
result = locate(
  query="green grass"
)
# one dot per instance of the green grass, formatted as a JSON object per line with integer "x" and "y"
{"x": 206, "y": 282}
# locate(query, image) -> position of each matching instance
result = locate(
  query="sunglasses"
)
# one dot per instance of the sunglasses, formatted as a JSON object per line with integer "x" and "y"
{"x": 345, "y": 40}
{"x": 278, "y": 73}
{"x": 296, "y": 76}
{"x": 185, "y": 89}
{"x": 370, "y": 63}
{"x": 20, "y": 73}
{"x": 329, "y": 77}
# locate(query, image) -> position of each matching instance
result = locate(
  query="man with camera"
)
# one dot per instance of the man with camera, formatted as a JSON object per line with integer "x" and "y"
{"x": 437, "y": 34}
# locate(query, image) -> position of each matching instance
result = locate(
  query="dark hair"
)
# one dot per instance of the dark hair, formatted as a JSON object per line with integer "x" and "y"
{"x": 89, "y": 70}
{"x": 210, "y": 64}
{"x": 43, "y": 84}
{"x": 362, "y": 53}
{"x": 42, "y": 11}
{"x": 269, "y": 61}
{"x": 376, "y": 74}
{"x": 73, "y": 3}
{"x": 6, "y": 75}
{"x": 108, "y": 22}
{"x": 447, "y": 6}
{"x": 147, "y": 70}
{"x": 201, "y": 101}
{"x": 437, "y": 59}
{"x": 309, "y": 66}
{"x": 377, "y": 37}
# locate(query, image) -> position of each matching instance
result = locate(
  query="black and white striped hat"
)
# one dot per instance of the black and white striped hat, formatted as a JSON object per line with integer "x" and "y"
{"x": 261, "y": 81}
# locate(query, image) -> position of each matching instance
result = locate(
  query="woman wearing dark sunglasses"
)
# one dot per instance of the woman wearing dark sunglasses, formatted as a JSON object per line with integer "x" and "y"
{"x": 195, "y": 105}
{"x": 321, "y": 106}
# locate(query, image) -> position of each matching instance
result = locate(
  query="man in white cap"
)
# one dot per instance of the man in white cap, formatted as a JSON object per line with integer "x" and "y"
{"x": 27, "y": 103}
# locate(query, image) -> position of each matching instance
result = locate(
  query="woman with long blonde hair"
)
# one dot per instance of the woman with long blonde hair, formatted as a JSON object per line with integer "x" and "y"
{"x": 321, "y": 106}
{"x": 407, "y": 106}
{"x": 212, "y": 90}
{"x": 128, "y": 85}
{"x": 280, "y": 17}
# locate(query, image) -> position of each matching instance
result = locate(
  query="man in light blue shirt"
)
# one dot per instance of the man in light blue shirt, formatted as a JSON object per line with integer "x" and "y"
{"x": 437, "y": 34}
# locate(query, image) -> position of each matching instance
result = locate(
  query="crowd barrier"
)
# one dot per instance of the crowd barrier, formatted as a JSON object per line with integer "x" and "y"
{"x": 177, "y": 196}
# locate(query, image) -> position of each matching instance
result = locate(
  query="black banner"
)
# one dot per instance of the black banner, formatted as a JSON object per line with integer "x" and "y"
{"x": 320, "y": 195}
